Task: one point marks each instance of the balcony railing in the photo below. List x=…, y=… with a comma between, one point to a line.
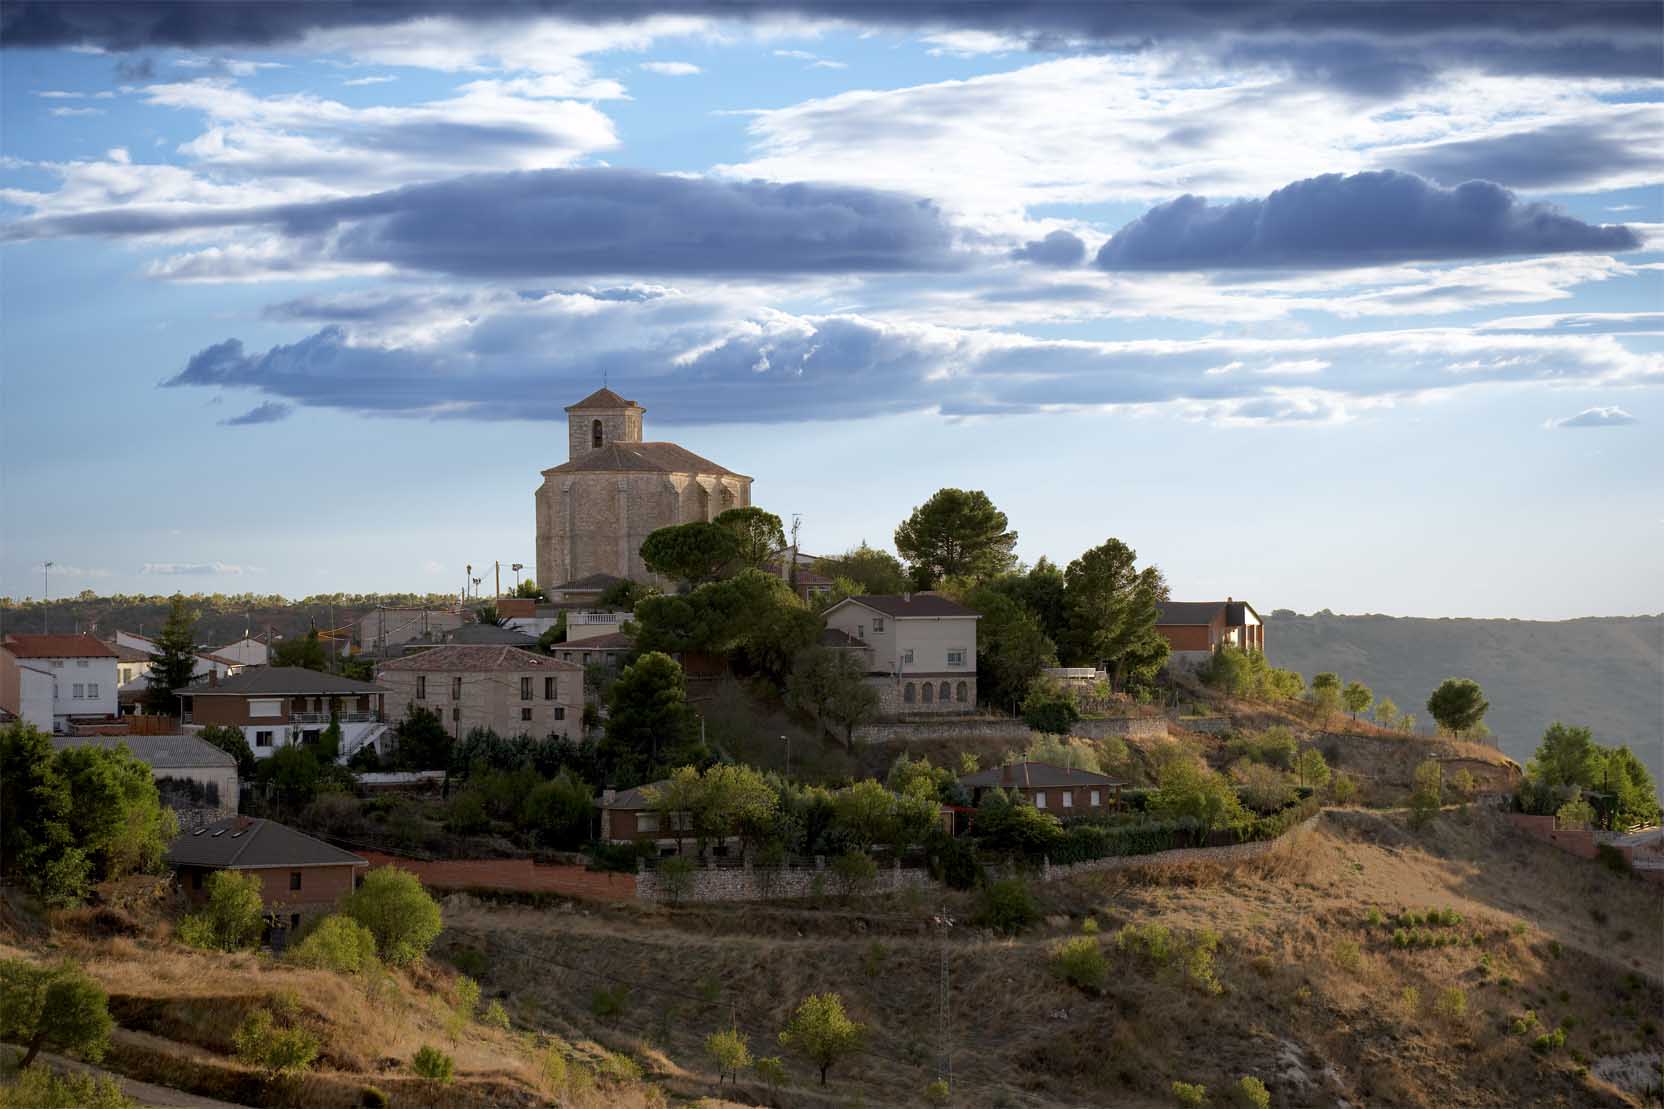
x=323, y=717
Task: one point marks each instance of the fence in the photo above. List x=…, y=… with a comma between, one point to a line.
x=745, y=882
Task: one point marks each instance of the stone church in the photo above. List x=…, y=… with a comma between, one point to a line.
x=595, y=509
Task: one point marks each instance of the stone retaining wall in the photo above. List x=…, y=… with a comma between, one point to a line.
x=756, y=884
x=1230, y=853
x=1211, y=725
x=900, y=731
x=1124, y=727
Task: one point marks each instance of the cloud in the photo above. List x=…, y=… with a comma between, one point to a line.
x=195, y=568
x=269, y=412
x=1584, y=323
x=671, y=69
x=360, y=82
x=1613, y=150
x=1609, y=416
x=63, y=113
x=1365, y=219
x=1060, y=248
x=60, y=570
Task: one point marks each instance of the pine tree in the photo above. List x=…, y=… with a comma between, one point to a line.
x=175, y=665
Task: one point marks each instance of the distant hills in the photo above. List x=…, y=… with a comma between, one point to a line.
x=1606, y=673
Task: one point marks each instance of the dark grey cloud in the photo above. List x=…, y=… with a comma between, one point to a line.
x=584, y=221
x=1060, y=248
x=1561, y=154
x=1609, y=416
x=1366, y=46
x=268, y=413
x=1366, y=219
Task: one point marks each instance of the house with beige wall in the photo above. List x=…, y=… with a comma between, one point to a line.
x=506, y=689
x=918, y=649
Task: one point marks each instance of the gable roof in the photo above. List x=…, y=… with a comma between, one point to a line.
x=246, y=843
x=475, y=657
x=267, y=681
x=603, y=398
x=160, y=752
x=651, y=458
x=633, y=798
x=58, y=646
x=1036, y=775
x=909, y=606
x=1183, y=613
x=1235, y=613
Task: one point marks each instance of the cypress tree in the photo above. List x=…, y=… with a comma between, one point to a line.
x=175, y=665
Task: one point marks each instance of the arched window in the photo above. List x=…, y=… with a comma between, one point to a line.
x=959, y=692
x=942, y=695
x=929, y=692
x=595, y=434
x=908, y=694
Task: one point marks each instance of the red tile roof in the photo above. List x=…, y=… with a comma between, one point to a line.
x=58, y=646
x=603, y=398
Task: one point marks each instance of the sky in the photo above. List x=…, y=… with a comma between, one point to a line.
x=1345, y=306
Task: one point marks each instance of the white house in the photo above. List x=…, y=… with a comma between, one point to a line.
x=274, y=706
x=83, y=673
x=918, y=649
x=25, y=692
x=134, y=653
x=246, y=651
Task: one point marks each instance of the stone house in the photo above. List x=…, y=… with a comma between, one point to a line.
x=275, y=706
x=181, y=765
x=918, y=649
x=1060, y=790
x=506, y=689
x=301, y=877
x=1196, y=629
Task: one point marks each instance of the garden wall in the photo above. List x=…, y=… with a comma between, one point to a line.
x=1230, y=853
x=749, y=883
x=1124, y=727
x=901, y=731
x=1211, y=725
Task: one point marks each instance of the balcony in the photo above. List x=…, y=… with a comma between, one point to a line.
x=323, y=717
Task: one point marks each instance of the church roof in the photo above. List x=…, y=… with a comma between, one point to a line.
x=660, y=458
x=603, y=398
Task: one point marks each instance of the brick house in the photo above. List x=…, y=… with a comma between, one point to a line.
x=627, y=816
x=275, y=706
x=918, y=649
x=1196, y=629
x=83, y=673
x=1060, y=790
x=300, y=876
x=505, y=689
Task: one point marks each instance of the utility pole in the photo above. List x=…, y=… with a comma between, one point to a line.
x=46, y=595
x=944, y=1014
x=797, y=522
x=517, y=567
x=496, y=579
x=468, y=577
x=787, y=739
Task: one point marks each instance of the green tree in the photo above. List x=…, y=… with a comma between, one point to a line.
x=1011, y=646
x=528, y=590
x=1627, y=779
x=1325, y=695
x=434, y=1065
x=831, y=685
x=821, y=1032
x=561, y=811
x=1283, y=685
x=392, y=904
x=1356, y=697
x=423, y=742
x=487, y=616
x=1043, y=591
x=232, y=918
x=1427, y=794
x=1011, y=825
x=1189, y=790
x=278, y=1051
x=874, y=571
x=771, y=1071
x=1049, y=709
x=175, y=663
x=57, y=1006
x=1113, y=607
x=649, y=724
x=691, y=553
x=1457, y=705
x=758, y=534
x=339, y=943
x=957, y=533
x=730, y=1050
x=1311, y=768
x=1386, y=713
x=118, y=818
x=306, y=652
x=622, y=595
x=293, y=773
x=232, y=742
x=36, y=839
x=864, y=811
x=1575, y=815
x=1567, y=756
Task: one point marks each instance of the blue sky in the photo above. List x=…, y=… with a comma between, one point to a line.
x=1324, y=310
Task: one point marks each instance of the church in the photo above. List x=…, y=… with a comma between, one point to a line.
x=595, y=509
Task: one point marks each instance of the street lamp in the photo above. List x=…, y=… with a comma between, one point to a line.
x=787, y=740
x=518, y=566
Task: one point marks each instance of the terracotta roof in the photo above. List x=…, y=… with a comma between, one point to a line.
x=1187, y=613
x=475, y=657
x=58, y=646
x=241, y=842
x=163, y=752
x=1036, y=775
x=603, y=398
x=267, y=681
x=651, y=458
x=905, y=605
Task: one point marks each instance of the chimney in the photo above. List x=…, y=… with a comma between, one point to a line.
x=607, y=796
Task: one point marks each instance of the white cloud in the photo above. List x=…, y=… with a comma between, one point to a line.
x=671, y=69
x=1608, y=416
x=60, y=94
x=360, y=82
x=67, y=112
x=197, y=568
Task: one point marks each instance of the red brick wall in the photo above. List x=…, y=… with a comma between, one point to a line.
x=320, y=887
x=1188, y=637
x=232, y=711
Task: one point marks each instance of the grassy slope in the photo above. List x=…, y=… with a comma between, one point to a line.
x=1602, y=673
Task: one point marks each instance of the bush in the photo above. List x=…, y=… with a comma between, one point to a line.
x=495, y=1016
x=1198, y=962
x=1373, y=918
x=1190, y=1093
x=1452, y=1003
x=338, y=943
x=1007, y=906
x=1549, y=1042
x=39, y=1088
x=1150, y=941
x=433, y=1064
x=1611, y=858
x=58, y=1007
x=372, y=1097
x=952, y=860
x=232, y=919
x=276, y=1050
x=1346, y=955
x=1264, y=788
x=401, y=916
x=1081, y=963
x=854, y=872
x=676, y=876
x=1343, y=789
x=604, y=1004
x=770, y=1070
x=1250, y=1093
x=623, y=858
x=938, y=1092
x=1427, y=795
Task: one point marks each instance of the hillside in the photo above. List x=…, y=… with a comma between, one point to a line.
x=1599, y=672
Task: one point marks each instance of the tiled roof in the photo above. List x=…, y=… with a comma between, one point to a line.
x=283, y=681
x=58, y=646
x=633, y=798
x=1184, y=613
x=1235, y=613
x=475, y=657
x=163, y=752
x=245, y=842
x=476, y=634
x=650, y=458
x=603, y=398
x=905, y=605
x=1035, y=775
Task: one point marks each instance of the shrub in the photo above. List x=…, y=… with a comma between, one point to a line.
x=401, y=916
x=233, y=917
x=1346, y=955
x=620, y=1070
x=1525, y=1023
x=1198, y=961
x=1007, y=906
x=1373, y=918
x=39, y=1088
x=553, y=1069
x=604, y=1004
x=373, y=1097
x=57, y=1006
x=1264, y=788
x=1151, y=941
x=338, y=943
x=821, y=1032
x=1427, y=795
x=467, y=998
x=1343, y=789
x=1452, y=1003
x=1612, y=858
x=495, y=1016
x=1410, y=1001
x=853, y=872
x=676, y=876
x=1190, y=1093
x=1081, y=963
x=938, y=1092
x=1250, y=1093
x=730, y=1051
x=1549, y=1042
x=433, y=1064
x=770, y=1070
x=1090, y=926
x=278, y=1051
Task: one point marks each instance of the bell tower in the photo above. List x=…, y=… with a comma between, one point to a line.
x=600, y=420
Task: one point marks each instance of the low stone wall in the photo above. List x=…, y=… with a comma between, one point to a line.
x=1211, y=725
x=901, y=731
x=758, y=884
x=1124, y=727
x=1229, y=854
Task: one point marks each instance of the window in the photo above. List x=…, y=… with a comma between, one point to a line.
x=1040, y=800
x=560, y=712
x=92, y=691
x=294, y=920
x=294, y=879
x=271, y=708
x=586, y=658
x=549, y=689
x=82, y=664
x=456, y=688
x=942, y=693
x=421, y=687
x=1068, y=798
x=929, y=692
x=525, y=689
x=908, y=694
x=262, y=739
x=878, y=625
x=956, y=656
x=907, y=657
x=80, y=691
x=647, y=821
x=595, y=434
x=57, y=664
x=959, y=692
x=456, y=713
x=1097, y=799
x=860, y=631
x=526, y=714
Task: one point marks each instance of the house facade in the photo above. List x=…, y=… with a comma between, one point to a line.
x=301, y=877
x=1060, y=790
x=918, y=649
x=506, y=689
x=193, y=775
x=83, y=674
x=628, y=816
x=275, y=706
x=248, y=651
x=1196, y=629
x=25, y=692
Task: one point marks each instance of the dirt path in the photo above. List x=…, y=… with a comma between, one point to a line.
x=516, y=875
x=142, y=1092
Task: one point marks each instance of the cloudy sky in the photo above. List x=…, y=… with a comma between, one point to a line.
x=1349, y=306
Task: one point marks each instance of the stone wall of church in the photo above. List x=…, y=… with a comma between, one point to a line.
x=595, y=523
